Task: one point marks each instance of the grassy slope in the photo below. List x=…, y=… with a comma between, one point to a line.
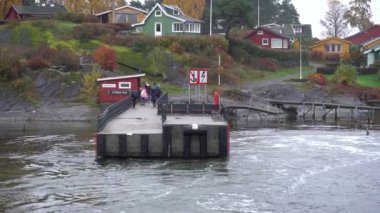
x=370, y=80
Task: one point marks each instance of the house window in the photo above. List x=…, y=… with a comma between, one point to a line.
x=276, y=43
x=124, y=85
x=193, y=27
x=298, y=29
x=158, y=13
x=260, y=32
x=265, y=42
x=333, y=48
x=177, y=27
x=108, y=85
x=175, y=12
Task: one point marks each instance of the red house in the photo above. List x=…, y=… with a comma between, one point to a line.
x=266, y=38
x=113, y=89
x=366, y=35
x=22, y=12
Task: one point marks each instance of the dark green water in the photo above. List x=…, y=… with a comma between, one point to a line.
x=52, y=168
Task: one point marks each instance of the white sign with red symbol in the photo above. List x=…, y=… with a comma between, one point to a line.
x=198, y=76
x=193, y=77
x=203, y=77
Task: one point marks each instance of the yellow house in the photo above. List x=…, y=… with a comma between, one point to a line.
x=331, y=47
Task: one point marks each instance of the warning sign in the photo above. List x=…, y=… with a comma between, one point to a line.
x=193, y=77
x=203, y=76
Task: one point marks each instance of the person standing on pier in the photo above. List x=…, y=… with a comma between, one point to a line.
x=134, y=96
x=155, y=94
x=143, y=96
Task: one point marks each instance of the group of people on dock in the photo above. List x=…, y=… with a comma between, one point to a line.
x=146, y=94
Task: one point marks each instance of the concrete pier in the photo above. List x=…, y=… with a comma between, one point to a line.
x=141, y=133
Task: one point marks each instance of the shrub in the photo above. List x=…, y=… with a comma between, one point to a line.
x=10, y=66
x=76, y=18
x=67, y=58
x=332, y=57
x=345, y=74
x=90, y=88
x=316, y=55
x=87, y=32
x=326, y=70
x=37, y=63
x=265, y=64
x=317, y=78
x=106, y=57
x=176, y=48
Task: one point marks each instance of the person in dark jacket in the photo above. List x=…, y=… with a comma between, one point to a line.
x=155, y=94
x=134, y=96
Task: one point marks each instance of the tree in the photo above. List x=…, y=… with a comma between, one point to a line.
x=359, y=14
x=136, y=3
x=287, y=13
x=149, y=4
x=192, y=8
x=268, y=11
x=5, y=5
x=106, y=57
x=334, y=21
x=233, y=13
x=88, y=6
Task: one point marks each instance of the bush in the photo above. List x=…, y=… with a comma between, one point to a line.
x=176, y=48
x=10, y=66
x=265, y=64
x=317, y=78
x=332, y=57
x=90, y=89
x=316, y=55
x=37, y=63
x=76, y=18
x=345, y=74
x=106, y=57
x=326, y=70
x=87, y=32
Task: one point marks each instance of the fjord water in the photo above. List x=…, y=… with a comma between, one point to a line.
x=52, y=168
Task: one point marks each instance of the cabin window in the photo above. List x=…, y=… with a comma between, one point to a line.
x=276, y=43
x=108, y=85
x=265, y=42
x=124, y=85
x=193, y=27
x=158, y=13
x=175, y=12
x=177, y=27
x=260, y=32
x=333, y=48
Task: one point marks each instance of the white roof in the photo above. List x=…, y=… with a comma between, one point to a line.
x=163, y=10
x=120, y=77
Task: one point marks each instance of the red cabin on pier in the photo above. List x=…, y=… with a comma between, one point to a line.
x=113, y=89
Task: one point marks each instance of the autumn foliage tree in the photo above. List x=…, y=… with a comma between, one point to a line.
x=106, y=57
x=5, y=5
x=91, y=6
x=192, y=8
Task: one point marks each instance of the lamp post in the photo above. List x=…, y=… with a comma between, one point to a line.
x=258, y=13
x=300, y=56
x=210, y=17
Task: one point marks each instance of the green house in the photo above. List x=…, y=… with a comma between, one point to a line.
x=168, y=20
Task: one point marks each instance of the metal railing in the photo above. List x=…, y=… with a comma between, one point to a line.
x=113, y=111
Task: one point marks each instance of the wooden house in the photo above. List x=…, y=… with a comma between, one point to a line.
x=113, y=89
x=267, y=38
x=168, y=20
x=331, y=47
x=22, y=12
x=124, y=14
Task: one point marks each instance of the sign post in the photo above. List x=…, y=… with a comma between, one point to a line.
x=198, y=77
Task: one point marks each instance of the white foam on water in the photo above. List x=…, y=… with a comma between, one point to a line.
x=229, y=202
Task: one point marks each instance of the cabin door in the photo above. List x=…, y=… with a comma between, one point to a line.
x=158, y=29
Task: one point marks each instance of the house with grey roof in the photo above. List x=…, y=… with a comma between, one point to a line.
x=292, y=31
x=22, y=12
x=168, y=20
